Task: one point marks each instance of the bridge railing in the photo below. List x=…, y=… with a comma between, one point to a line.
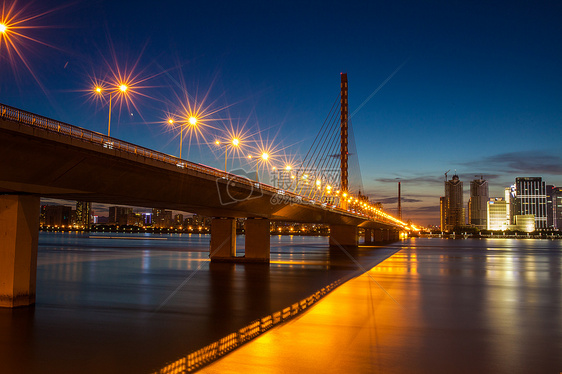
x=75, y=132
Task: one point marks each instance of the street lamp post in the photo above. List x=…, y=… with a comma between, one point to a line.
x=120, y=90
x=263, y=158
x=235, y=142
x=192, y=121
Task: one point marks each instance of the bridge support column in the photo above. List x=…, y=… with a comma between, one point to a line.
x=19, y=234
x=223, y=239
x=386, y=235
x=378, y=236
x=368, y=236
x=257, y=240
x=343, y=236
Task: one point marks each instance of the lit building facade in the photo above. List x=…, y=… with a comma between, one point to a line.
x=83, y=214
x=509, y=192
x=498, y=217
x=530, y=198
x=452, y=205
x=442, y=212
x=162, y=218
x=478, y=203
x=134, y=219
x=556, y=194
x=524, y=222
x=497, y=214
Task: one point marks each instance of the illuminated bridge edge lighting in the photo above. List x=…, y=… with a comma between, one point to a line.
x=204, y=356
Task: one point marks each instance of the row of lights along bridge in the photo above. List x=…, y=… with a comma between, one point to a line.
x=122, y=90
x=190, y=123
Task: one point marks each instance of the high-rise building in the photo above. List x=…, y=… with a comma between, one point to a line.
x=147, y=219
x=57, y=215
x=161, y=218
x=118, y=215
x=549, y=207
x=452, y=205
x=134, y=219
x=83, y=212
x=508, y=197
x=530, y=198
x=479, y=197
x=178, y=220
x=557, y=208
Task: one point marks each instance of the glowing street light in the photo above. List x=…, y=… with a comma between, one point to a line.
x=192, y=121
x=120, y=90
x=235, y=142
x=3, y=28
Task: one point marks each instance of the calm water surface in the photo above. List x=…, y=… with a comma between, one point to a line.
x=130, y=303
x=115, y=303
x=436, y=306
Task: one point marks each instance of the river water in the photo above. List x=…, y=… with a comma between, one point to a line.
x=130, y=303
x=117, y=303
x=437, y=306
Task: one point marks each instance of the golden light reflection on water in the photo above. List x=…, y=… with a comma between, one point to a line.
x=301, y=263
x=401, y=262
x=424, y=310
x=352, y=320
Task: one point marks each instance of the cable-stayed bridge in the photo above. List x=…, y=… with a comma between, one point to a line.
x=41, y=157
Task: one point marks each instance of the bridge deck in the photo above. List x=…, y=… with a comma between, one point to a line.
x=54, y=159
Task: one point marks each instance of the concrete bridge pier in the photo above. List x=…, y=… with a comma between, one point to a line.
x=223, y=239
x=343, y=236
x=257, y=246
x=369, y=236
x=386, y=235
x=378, y=236
x=19, y=235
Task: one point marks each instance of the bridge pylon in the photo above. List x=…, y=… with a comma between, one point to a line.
x=344, y=141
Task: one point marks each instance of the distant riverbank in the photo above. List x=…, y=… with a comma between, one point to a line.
x=495, y=236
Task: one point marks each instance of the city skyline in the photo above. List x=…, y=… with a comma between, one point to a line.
x=472, y=87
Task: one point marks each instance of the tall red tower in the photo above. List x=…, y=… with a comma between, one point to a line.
x=343, y=134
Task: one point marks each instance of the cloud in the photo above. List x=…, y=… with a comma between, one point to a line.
x=534, y=163
x=424, y=215
x=391, y=200
x=413, y=180
x=470, y=176
x=425, y=209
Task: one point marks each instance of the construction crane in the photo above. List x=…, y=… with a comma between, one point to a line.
x=446, y=174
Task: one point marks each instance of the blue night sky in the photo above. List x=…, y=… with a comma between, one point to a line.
x=477, y=87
